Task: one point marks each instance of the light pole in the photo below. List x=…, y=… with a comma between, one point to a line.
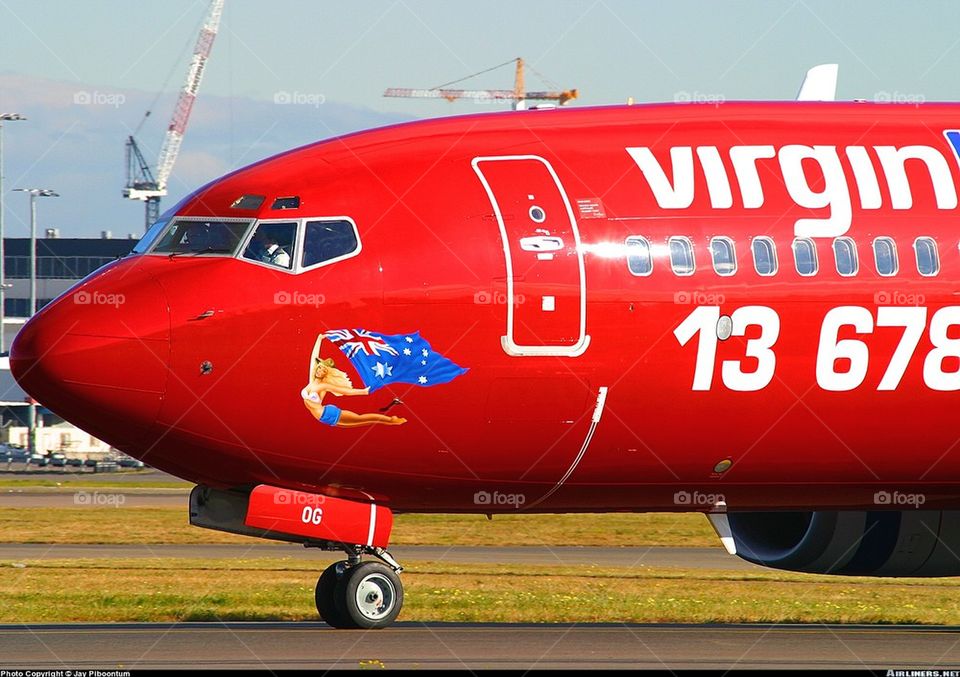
x=34, y=194
x=4, y=117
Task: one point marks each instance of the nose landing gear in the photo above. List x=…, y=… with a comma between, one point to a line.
x=352, y=594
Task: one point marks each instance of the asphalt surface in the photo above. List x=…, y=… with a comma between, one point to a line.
x=542, y=556
x=415, y=645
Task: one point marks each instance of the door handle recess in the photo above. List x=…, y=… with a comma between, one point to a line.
x=541, y=243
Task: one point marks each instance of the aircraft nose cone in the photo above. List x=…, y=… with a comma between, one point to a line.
x=98, y=355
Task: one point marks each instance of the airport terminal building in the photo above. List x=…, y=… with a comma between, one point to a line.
x=61, y=263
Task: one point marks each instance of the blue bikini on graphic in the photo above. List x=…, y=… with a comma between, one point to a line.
x=330, y=414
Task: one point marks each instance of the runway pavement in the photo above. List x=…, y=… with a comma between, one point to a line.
x=409, y=645
x=694, y=558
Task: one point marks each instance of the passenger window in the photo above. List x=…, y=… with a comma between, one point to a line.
x=272, y=243
x=724, y=256
x=885, y=255
x=805, y=256
x=764, y=256
x=681, y=256
x=928, y=261
x=326, y=241
x=639, y=260
x=845, y=253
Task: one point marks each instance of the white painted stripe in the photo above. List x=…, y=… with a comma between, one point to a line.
x=373, y=523
x=597, y=413
x=601, y=403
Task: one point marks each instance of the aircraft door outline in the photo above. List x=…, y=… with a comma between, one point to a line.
x=552, y=252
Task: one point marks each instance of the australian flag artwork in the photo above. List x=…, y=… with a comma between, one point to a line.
x=381, y=359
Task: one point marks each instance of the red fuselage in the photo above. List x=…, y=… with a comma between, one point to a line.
x=594, y=381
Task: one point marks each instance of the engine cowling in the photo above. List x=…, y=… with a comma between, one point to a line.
x=853, y=543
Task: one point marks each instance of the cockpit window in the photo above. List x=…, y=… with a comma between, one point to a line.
x=289, y=202
x=150, y=236
x=202, y=237
x=248, y=202
x=272, y=243
x=326, y=241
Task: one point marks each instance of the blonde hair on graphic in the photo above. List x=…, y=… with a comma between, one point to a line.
x=334, y=376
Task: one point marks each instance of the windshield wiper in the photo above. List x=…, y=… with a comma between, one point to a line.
x=206, y=250
x=214, y=250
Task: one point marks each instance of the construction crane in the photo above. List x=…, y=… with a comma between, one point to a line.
x=143, y=183
x=518, y=95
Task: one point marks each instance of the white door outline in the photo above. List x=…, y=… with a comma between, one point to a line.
x=509, y=345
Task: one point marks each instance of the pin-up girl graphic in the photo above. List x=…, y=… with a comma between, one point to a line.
x=326, y=378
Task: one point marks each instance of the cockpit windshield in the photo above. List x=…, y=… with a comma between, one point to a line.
x=151, y=235
x=202, y=237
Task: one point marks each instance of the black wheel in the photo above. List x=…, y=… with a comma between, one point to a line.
x=326, y=593
x=369, y=595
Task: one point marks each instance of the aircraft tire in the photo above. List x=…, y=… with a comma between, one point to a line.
x=369, y=596
x=325, y=596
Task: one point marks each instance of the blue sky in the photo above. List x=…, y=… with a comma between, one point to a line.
x=336, y=58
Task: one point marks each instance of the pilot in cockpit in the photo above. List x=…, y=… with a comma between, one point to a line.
x=265, y=247
x=273, y=253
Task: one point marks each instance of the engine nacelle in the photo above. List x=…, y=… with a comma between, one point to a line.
x=853, y=543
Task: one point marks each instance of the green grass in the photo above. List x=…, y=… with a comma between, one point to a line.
x=92, y=481
x=170, y=525
x=282, y=589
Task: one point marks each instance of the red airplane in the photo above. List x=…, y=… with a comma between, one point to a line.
x=743, y=309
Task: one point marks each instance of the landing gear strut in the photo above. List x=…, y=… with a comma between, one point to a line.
x=353, y=594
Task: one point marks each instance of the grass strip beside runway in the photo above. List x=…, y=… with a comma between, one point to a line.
x=156, y=525
x=90, y=481
x=155, y=590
